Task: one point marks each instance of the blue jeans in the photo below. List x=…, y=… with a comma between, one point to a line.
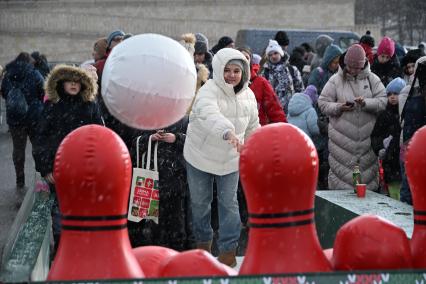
x=201, y=190
x=405, y=193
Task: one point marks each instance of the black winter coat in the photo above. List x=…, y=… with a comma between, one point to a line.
x=173, y=230
x=414, y=113
x=24, y=76
x=387, y=123
x=57, y=121
x=387, y=71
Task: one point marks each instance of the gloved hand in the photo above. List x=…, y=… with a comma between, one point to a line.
x=387, y=141
x=41, y=185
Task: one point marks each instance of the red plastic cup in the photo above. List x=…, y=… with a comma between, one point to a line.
x=360, y=190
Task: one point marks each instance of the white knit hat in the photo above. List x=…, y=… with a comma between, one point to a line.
x=274, y=46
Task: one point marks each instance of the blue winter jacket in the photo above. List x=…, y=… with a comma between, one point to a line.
x=302, y=114
x=31, y=82
x=320, y=75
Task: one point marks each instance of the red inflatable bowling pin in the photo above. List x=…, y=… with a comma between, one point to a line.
x=192, y=263
x=369, y=242
x=415, y=165
x=92, y=172
x=278, y=169
x=151, y=257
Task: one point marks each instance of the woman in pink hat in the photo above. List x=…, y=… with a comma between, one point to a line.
x=352, y=99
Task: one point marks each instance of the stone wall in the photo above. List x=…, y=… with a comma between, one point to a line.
x=66, y=30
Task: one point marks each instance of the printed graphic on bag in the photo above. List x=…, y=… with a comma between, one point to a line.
x=149, y=183
x=144, y=192
x=153, y=209
x=145, y=198
x=143, y=212
x=140, y=181
x=138, y=191
x=135, y=211
x=145, y=203
x=156, y=195
x=137, y=201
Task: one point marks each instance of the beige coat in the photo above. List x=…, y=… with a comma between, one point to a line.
x=349, y=132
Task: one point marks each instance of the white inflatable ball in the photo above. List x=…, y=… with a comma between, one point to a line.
x=149, y=81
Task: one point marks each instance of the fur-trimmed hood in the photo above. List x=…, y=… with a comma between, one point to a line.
x=61, y=73
x=202, y=75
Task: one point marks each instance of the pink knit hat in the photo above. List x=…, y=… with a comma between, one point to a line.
x=386, y=46
x=355, y=56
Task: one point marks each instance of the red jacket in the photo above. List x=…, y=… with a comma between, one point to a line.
x=100, y=64
x=268, y=105
x=368, y=52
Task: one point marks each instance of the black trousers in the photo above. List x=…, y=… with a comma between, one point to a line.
x=174, y=229
x=19, y=139
x=324, y=168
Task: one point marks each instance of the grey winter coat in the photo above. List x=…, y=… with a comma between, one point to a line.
x=349, y=132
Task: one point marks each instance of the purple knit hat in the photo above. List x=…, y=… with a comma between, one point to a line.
x=312, y=93
x=355, y=56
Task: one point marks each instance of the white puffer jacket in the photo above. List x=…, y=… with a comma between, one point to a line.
x=349, y=132
x=216, y=110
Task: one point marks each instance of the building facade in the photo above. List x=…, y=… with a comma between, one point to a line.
x=66, y=30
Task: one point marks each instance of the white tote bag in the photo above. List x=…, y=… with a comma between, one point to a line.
x=144, y=196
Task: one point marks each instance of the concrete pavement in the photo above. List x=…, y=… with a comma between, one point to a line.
x=10, y=197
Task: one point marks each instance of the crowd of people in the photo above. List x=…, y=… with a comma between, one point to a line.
x=359, y=107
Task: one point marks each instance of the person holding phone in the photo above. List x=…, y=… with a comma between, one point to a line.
x=173, y=229
x=351, y=99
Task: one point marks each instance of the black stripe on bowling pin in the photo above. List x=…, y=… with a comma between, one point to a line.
x=93, y=218
x=279, y=216
x=419, y=213
x=92, y=228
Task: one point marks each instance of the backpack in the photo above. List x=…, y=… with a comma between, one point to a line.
x=16, y=107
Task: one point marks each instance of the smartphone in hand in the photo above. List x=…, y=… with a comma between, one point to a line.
x=350, y=104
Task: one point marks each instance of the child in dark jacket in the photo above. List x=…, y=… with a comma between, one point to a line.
x=386, y=63
x=385, y=138
x=71, y=94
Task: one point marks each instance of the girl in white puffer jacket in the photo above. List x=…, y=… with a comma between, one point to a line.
x=224, y=114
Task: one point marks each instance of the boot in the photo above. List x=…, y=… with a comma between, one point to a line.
x=228, y=258
x=207, y=246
